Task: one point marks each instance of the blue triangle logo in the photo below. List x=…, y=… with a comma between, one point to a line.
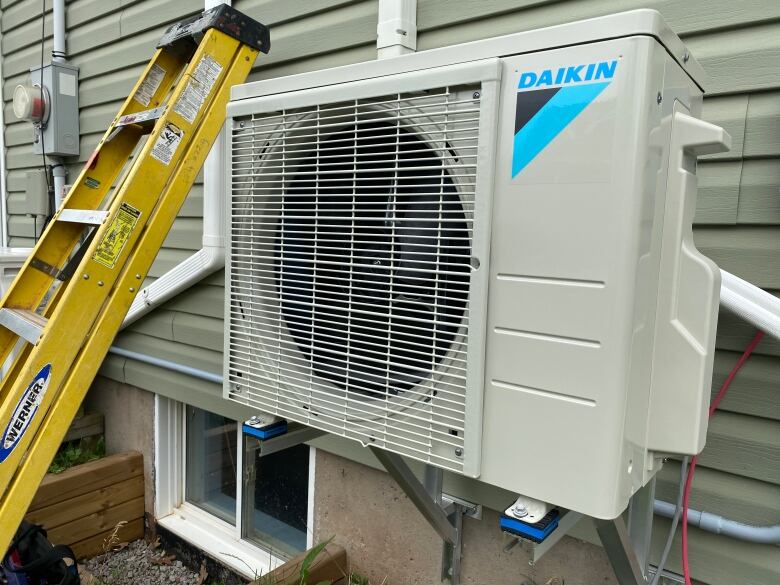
x=542, y=114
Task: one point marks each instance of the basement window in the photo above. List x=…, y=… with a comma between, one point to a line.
x=248, y=511
x=211, y=463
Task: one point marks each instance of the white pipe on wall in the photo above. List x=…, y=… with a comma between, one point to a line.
x=211, y=257
x=396, y=30
x=58, y=52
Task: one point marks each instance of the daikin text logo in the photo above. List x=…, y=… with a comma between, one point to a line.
x=548, y=100
x=603, y=70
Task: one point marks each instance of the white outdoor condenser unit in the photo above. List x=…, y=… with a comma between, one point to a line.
x=480, y=256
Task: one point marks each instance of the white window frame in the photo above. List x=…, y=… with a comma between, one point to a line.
x=218, y=538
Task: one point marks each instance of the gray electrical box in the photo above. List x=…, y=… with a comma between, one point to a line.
x=59, y=134
x=36, y=201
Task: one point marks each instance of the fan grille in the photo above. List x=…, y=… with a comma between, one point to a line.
x=350, y=261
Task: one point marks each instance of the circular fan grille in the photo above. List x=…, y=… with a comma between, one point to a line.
x=372, y=260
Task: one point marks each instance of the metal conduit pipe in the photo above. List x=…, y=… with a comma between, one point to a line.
x=719, y=525
x=166, y=364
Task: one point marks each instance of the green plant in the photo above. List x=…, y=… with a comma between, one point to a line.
x=309, y=559
x=76, y=453
x=358, y=579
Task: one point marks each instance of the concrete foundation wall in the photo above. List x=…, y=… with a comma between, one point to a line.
x=388, y=541
x=129, y=424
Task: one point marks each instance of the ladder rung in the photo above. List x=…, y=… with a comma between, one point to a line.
x=141, y=118
x=88, y=216
x=26, y=324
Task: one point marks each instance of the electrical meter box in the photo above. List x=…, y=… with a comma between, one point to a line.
x=481, y=256
x=58, y=134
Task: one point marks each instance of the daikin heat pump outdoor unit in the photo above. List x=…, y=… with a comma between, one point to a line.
x=480, y=256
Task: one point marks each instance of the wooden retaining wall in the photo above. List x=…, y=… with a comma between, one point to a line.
x=81, y=506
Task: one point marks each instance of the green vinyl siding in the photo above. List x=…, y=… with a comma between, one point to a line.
x=737, y=217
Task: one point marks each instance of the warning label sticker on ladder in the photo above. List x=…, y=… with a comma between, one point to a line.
x=149, y=85
x=116, y=236
x=198, y=88
x=167, y=143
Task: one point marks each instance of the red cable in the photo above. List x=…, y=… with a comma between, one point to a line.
x=692, y=467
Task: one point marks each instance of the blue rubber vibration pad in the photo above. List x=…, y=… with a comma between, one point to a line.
x=534, y=532
x=268, y=431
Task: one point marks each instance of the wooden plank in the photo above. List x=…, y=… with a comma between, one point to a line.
x=98, y=522
x=330, y=565
x=94, y=545
x=89, y=503
x=88, y=425
x=87, y=477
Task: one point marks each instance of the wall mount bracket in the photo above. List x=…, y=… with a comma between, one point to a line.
x=444, y=514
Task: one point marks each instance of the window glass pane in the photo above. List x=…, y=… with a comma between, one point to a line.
x=211, y=463
x=276, y=506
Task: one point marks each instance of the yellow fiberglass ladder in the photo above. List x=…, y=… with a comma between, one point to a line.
x=72, y=294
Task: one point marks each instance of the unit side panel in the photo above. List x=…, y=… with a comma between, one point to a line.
x=572, y=219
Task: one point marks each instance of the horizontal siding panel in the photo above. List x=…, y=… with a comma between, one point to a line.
x=739, y=60
x=749, y=252
x=186, y=234
x=718, y=195
x=167, y=259
x=201, y=299
x=124, y=53
x=336, y=58
x=352, y=25
x=205, y=332
x=684, y=17
x=759, y=193
x=762, y=132
x=734, y=334
x=271, y=12
x=193, y=207
x=21, y=13
x=718, y=560
x=112, y=87
x=739, y=498
x=729, y=112
x=157, y=324
x=755, y=390
x=150, y=14
x=80, y=12
x=743, y=445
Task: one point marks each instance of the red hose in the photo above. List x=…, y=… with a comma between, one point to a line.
x=692, y=467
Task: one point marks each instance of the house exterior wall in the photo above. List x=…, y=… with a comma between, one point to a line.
x=737, y=219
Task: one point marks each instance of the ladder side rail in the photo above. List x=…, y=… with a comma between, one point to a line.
x=85, y=297
x=55, y=425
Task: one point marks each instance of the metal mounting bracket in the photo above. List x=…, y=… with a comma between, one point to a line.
x=445, y=515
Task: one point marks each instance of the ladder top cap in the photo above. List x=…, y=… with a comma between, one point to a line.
x=224, y=18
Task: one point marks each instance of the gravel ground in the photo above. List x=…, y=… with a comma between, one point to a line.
x=140, y=564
